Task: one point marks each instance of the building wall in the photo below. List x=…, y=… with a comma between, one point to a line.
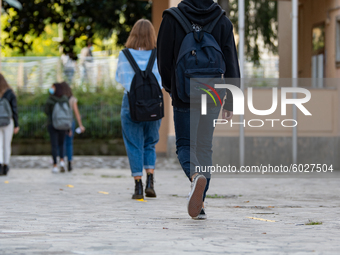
x=311, y=13
x=285, y=39
x=333, y=12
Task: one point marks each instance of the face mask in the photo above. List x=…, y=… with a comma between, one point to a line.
x=51, y=90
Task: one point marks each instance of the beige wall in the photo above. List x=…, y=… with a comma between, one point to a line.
x=331, y=69
x=285, y=39
x=311, y=13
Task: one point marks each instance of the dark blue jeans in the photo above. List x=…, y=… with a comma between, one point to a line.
x=57, y=138
x=194, y=134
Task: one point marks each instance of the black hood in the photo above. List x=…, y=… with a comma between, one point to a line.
x=200, y=12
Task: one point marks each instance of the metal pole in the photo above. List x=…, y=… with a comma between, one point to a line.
x=241, y=59
x=295, y=7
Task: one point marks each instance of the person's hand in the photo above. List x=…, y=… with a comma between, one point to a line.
x=70, y=133
x=227, y=115
x=16, y=130
x=82, y=128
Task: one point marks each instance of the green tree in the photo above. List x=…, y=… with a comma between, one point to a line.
x=260, y=23
x=79, y=18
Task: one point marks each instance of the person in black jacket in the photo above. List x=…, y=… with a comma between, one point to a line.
x=57, y=136
x=170, y=37
x=6, y=132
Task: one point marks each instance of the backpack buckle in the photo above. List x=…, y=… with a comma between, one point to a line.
x=144, y=73
x=198, y=36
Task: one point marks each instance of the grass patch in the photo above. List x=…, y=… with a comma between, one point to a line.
x=216, y=196
x=88, y=174
x=111, y=176
x=313, y=223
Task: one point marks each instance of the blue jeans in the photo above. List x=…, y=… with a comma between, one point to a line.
x=69, y=143
x=140, y=138
x=194, y=134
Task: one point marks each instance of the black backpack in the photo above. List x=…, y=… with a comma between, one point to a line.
x=145, y=95
x=199, y=57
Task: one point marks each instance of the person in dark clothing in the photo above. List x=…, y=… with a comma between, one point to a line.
x=6, y=132
x=57, y=136
x=170, y=37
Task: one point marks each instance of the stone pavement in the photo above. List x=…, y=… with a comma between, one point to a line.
x=90, y=211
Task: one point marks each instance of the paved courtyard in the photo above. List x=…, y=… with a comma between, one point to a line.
x=90, y=211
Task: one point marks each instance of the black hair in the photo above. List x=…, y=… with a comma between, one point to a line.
x=59, y=91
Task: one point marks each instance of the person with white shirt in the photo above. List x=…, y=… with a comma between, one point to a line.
x=9, y=123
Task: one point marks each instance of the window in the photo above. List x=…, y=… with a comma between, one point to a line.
x=337, y=49
x=318, y=48
x=318, y=39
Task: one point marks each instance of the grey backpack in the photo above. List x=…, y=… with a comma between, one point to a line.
x=5, y=112
x=62, y=117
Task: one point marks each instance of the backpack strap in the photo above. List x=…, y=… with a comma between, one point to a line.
x=180, y=17
x=151, y=61
x=209, y=27
x=131, y=60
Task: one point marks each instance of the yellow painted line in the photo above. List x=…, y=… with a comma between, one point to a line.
x=6, y=182
x=253, y=218
x=70, y=186
x=141, y=200
x=103, y=192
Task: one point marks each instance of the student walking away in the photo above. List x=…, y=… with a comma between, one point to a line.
x=8, y=123
x=59, y=115
x=86, y=58
x=196, y=38
x=73, y=102
x=142, y=106
x=69, y=65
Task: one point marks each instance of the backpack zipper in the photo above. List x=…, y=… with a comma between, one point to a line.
x=193, y=52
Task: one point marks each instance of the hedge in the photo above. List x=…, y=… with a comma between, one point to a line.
x=100, y=110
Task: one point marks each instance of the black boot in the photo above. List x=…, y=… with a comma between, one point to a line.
x=5, y=169
x=1, y=170
x=149, y=189
x=69, y=168
x=138, y=190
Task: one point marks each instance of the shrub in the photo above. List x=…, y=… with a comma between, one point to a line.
x=100, y=111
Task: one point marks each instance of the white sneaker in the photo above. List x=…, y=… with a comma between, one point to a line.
x=62, y=166
x=55, y=170
x=196, y=195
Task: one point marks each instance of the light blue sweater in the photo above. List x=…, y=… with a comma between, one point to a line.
x=125, y=72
